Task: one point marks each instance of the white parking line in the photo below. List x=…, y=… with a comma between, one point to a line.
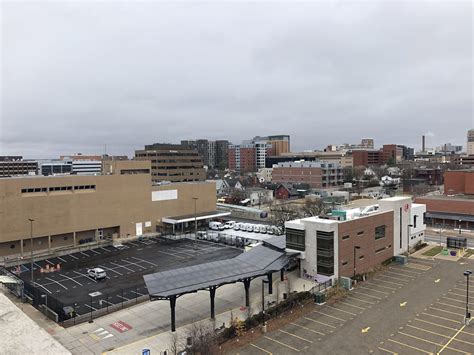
x=122, y=266
x=106, y=250
x=38, y=266
x=95, y=309
x=83, y=275
x=371, y=289
x=72, y=256
x=94, y=251
x=134, y=244
x=125, y=298
x=49, y=262
x=377, y=285
x=110, y=269
x=63, y=260
x=70, y=278
x=365, y=294
x=84, y=254
x=37, y=284
x=176, y=256
x=59, y=283
x=341, y=310
x=132, y=263
x=398, y=274
x=144, y=261
x=328, y=315
x=138, y=293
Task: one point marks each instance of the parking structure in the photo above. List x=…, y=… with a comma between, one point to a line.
x=378, y=316
x=125, y=267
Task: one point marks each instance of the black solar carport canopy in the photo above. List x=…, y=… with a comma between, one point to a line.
x=259, y=261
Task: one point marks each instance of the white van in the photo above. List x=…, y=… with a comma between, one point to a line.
x=237, y=226
x=216, y=226
x=263, y=229
x=256, y=228
x=229, y=224
x=248, y=227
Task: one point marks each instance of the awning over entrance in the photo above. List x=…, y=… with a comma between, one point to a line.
x=191, y=217
x=450, y=216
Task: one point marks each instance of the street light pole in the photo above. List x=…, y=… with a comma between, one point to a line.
x=264, y=327
x=460, y=226
x=408, y=239
x=468, y=315
x=195, y=223
x=31, y=252
x=356, y=247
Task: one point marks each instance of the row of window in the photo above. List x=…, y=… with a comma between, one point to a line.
x=379, y=233
x=362, y=257
x=57, y=188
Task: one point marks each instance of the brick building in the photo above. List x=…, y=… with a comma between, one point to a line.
x=459, y=182
x=314, y=173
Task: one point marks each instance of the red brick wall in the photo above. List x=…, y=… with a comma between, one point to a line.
x=448, y=205
x=311, y=176
x=366, y=241
x=281, y=193
x=231, y=159
x=247, y=159
x=459, y=182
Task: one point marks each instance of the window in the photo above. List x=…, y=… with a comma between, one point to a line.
x=414, y=221
x=295, y=239
x=360, y=233
x=345, y=237
x=361, y=257
x=65, y=238
x=12, y=246
x=379, y=232
x=380, y=250
x=344, y=263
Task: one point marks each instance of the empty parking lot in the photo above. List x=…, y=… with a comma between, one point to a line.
x=404, y=309
x=125, y=269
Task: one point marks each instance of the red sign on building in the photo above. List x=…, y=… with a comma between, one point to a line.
x=121, y=326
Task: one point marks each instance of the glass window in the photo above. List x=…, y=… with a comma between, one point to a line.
x=379, y=232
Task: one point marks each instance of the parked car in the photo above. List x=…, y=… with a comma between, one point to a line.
x=263, y=228
x=248, y=227
x=229, y=224
x=256, y=228
x=237, y=226
x=121, y=246
x=97, y=273
x=216, y=226
x=270, y=230
x=201, y=235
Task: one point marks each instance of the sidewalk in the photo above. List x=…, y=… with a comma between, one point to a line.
x=450, y=232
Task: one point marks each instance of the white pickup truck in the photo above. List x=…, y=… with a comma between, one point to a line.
x=97, y=273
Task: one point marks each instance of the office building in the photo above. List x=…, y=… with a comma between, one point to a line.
x=470, y=142
x=222, y=154
x=314, y=173
x=47, y=167
x=15, y=166
x=173, y=162
x=372, y=234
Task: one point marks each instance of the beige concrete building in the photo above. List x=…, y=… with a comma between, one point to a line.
x=72, y=210
x=173, y=162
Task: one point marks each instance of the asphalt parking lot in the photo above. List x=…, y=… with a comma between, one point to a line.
x=70, y=285
x=405, y=309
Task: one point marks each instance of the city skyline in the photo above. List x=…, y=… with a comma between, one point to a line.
x=121, y=75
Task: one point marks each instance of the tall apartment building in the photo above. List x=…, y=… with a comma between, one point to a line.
x=173, y=162
x=214, y=154
x=242, y=157
x=470, y=142
x=15, y=166
x=315, y=173
x=256, y=151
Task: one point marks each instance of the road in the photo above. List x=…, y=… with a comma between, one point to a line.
x=435, y=238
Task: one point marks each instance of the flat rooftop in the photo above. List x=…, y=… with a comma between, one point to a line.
x=451, y=198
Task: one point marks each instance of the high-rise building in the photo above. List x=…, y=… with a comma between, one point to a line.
x=222, y=152
x=173, y=162
x=470, y=142
x=367, y=143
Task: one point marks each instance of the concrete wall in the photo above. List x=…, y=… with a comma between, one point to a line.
x=417, y=232
x=401, y=207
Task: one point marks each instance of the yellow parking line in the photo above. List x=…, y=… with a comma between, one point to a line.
x=453, y=299
x=436, y=324
x=389, y=282
x=296, y=336
x=450, y=340
x=371, y=289
x=281, y=343
x=341, y=310
x=395, y=278
x=410, y=346
x=359, y=300
x=402, y=269
x=450, y=305
x=449, y=312
x=364, y=294
x=447, y=319
x=316, y=321
x=308, y=329
x=327, y=315
x=352, y=305
x=377, y=285
x=387, y=351
x=438, y=334
x=259, y=348
x=400, y=274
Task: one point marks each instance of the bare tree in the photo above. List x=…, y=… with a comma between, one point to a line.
x=203, y=339
x=176, y=344
x=313, y=206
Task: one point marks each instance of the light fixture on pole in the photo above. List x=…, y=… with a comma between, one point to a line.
x=356, y=247
x=31, y=252
x=467, y=317
x=195, y=223
x=408, y=239
x=264, y=325
x=460, y=226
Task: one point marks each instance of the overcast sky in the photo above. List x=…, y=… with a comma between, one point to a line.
x=78, y=75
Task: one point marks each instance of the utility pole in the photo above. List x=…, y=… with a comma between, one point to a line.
x=468, y=315
x=195, y=223
x=31, y=245
x=408, y=239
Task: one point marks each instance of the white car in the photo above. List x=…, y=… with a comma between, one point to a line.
x=121, y=246
x=249, y=227
x=229, y=224
x=97, y=273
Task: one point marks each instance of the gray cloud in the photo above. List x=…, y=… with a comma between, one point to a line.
x=76, y=76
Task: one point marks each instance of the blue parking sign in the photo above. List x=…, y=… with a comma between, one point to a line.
x=146, y=352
